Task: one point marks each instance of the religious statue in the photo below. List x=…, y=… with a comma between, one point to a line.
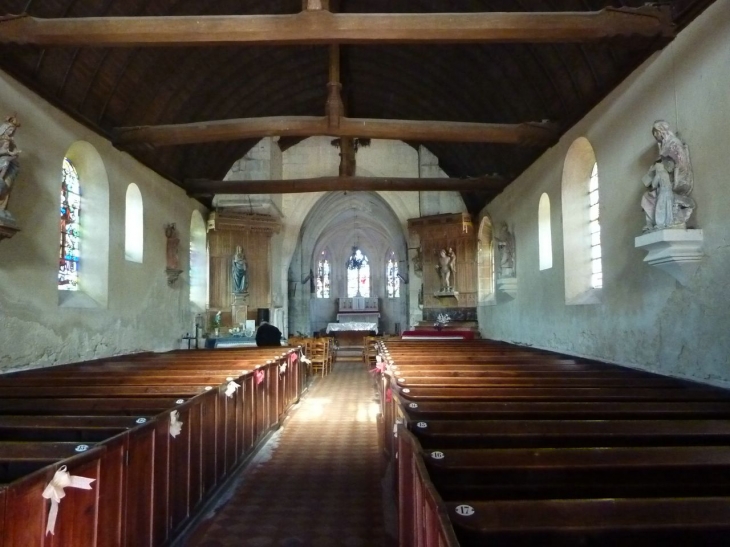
x=506, y=245
x=9, y=166
x=173, y=244
x=446, y=267
x=418, y=262
x=667, y=203
x=239, y=270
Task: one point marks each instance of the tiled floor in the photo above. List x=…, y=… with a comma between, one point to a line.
x=320, y=482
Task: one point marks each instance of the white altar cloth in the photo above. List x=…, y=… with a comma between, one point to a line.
x=341, y=327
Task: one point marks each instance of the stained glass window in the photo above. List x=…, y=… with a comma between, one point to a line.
x=323, y=277
x=68, y=270
x=358, y=275
x=392, y=279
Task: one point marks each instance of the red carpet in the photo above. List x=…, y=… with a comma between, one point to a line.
x=318, y=483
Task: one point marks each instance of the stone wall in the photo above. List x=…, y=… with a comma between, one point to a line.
x=645, y=318
x=138, y=311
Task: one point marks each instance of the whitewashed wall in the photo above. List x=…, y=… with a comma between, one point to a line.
x=141, y=312
x=646, y=318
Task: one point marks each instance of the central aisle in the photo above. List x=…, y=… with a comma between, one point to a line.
x=319, y=482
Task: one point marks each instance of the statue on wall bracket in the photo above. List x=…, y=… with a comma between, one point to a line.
x=667, y=205
x=172, y=270
x=9, y=169
x=506, y=246
x=670, y=180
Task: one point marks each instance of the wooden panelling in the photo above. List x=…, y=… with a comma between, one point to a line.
x=253, y=235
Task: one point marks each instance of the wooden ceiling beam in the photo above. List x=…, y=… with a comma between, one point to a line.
x=523, y=134
x=202, y=188
x=317, y=25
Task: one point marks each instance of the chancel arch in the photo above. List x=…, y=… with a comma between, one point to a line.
x=92, y=288
x=581, y=225
x=338, y=222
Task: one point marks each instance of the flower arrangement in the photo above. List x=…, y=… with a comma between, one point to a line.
x=442, y=320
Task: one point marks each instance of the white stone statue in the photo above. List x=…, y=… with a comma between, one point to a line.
x=506, y=245
x=446, y=267
x=8, y=163
x=667, y=203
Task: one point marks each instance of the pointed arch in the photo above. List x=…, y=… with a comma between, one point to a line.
x=358, y=274
x=392, y=279
x=323, y=280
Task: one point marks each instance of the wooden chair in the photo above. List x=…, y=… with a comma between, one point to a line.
x=318, y=356
x=331, y=353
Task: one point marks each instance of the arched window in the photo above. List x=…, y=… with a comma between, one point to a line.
x=83, y=270
x=545, y=238
x=133, y=225
x=198, y=264
x=358, y=274
x=322, y=282
x=594, y=227
x=485, y=261
x=581, y=225
x=391, y=276
x=68, y=270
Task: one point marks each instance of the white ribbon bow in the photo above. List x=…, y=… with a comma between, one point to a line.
x=306, y=360
x=54, y=492
x=282, y=368
x=175, y=424
x=232, y=388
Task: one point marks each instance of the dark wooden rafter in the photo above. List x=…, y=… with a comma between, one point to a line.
x=320, y=26
x=204, y=188
x=525, y=134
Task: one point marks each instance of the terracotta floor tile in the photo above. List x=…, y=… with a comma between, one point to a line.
x=321, y=486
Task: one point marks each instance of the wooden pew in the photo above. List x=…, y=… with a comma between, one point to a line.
x=161, y=481
x=570, y=433
x=666, y=522
x=512, y=439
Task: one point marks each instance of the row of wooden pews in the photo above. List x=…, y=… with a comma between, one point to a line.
x=505, y=446
x=159, y=434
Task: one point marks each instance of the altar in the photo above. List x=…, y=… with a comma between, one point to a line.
x=351, y=334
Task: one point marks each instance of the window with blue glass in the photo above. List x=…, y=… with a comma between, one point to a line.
x=323, y=277
x=358, y=274
x=68, y=270
x=391, y=276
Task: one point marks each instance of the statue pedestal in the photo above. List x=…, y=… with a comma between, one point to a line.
x=8, y=227
x=508, y=285
x=239, y=308
x=172, y=275
x=447, y=294
x=676, y=251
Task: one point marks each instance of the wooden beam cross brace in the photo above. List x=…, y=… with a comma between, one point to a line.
x=317, y=25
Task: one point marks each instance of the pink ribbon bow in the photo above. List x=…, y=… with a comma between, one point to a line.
x=260, y=375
